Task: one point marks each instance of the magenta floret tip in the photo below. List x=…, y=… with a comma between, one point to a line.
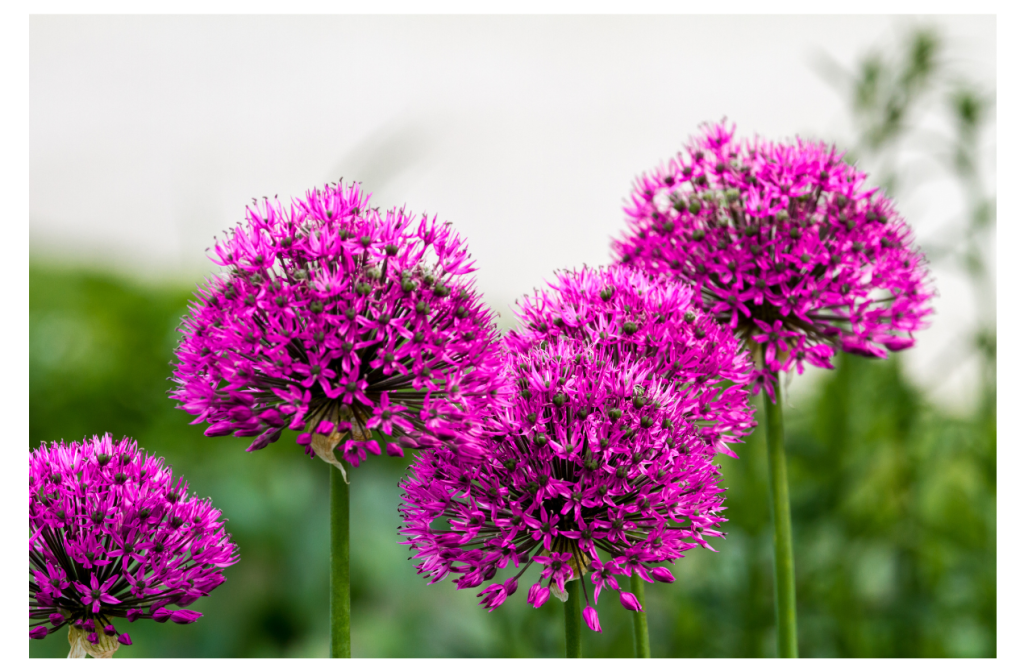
x=629, y=601
x=328, y=307
x=662, y=574
x=112, y=534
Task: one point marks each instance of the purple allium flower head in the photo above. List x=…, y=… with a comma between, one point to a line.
x=593, y=456
x=340, y=321
x=786, y=243
x=112, y=534
x=628, y=315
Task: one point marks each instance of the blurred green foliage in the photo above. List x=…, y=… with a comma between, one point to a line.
x=893, y=508
x=918, y=118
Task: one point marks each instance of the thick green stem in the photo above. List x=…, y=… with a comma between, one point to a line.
x=778, y=490
x=573, y=623
x=641, y=639
x=341, y=642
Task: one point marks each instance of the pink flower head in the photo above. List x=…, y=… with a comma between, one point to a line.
x=629, y=315
x=781, y=233
x=327, y=308
x=108, y=505
x=591, y=425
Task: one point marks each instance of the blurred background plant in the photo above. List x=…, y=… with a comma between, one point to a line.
x=894, y=502
x=918, y=120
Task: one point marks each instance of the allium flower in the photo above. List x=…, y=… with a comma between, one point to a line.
x=339, y=321
x=592, y=467
x=630, y=316
x=112, y=534
x=786, y=243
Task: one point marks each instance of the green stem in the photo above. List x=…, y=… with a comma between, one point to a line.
x=573, y=623
x=641, y=639
x=778, y=490
x=341, y=642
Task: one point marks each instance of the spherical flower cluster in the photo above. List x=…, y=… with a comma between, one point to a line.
x=630, y=316
x=112, y=534
x=786, y=243
x=592, y=457
x=348, y=324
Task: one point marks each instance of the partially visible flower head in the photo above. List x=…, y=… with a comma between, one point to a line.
x=786, y=243
x=113, y=535
x=342, y=322
x=630, y=316
x=592, y=468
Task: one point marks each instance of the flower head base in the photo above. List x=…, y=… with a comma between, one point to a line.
x=592, y=456
x=112, y=534
x=786, y=243
x=340, y=321
x=632, y=317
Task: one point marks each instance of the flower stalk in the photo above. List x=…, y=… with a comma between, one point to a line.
x=641, y=639
x=778, y=489
x=573, y=625
x=340, y=609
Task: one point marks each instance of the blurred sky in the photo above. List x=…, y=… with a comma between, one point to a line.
x=149, y=135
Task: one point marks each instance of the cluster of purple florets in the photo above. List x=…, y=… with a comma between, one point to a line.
x=606, y=447
x=345, y=323
x=113, y=535
x=786, y=244
x=632, y=316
